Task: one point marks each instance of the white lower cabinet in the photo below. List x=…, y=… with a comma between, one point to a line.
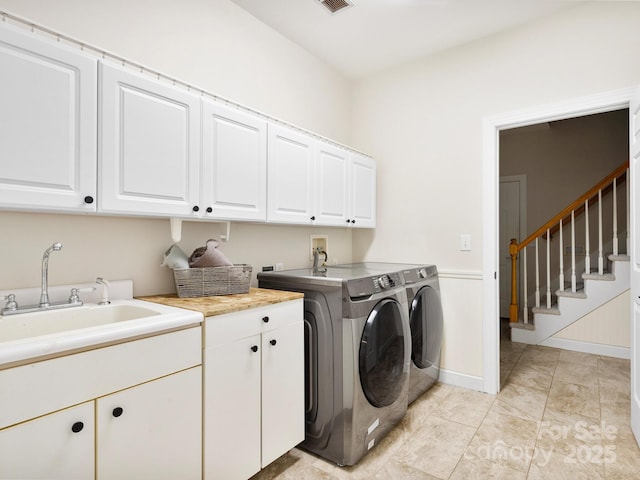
x=56, y=446
x=253, y=388
x=152, y=430
x=132, y=410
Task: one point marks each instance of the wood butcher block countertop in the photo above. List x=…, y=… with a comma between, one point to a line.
x=221, y=304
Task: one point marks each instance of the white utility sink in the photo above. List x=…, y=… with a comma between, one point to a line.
x=35, y=324
x=28, y=337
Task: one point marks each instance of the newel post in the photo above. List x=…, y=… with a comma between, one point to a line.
x=513, y=307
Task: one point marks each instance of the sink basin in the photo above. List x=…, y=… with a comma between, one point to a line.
x=55, y=321
x=28, y=337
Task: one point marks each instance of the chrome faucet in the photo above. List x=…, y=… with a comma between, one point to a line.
x=44, y=293
x=316, y=258
x=104, y=299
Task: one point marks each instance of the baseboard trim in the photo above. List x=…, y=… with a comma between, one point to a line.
x=461, y=380
x=588, y=347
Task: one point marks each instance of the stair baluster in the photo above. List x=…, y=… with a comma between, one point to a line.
x=615, y=219
x=525, y=310
x=573, y=251
x=561, y=262
x=600, y=257
x=587, y=246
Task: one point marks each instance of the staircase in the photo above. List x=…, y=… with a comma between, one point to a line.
x=570, y=287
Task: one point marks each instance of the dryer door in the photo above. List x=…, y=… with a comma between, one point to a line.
x=425, y=317
x=382, y=354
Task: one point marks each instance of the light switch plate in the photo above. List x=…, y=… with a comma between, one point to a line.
x=465, y=242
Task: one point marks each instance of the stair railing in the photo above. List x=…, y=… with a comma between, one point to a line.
x=578, y=207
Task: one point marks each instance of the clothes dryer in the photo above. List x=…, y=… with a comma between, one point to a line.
x=425, y=317
x=357, y=356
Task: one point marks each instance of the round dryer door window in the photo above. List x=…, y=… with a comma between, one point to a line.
x=425, y=319
x=382, y=354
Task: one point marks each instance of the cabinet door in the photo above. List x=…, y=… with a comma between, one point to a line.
x=232, y=409
x=149, y=145
x=290, y=190
x=234, y=159
x=282, y=390
x=48, y=116
x=56, y=446
x=363, y=192
x=331, y=185
x=153, y=430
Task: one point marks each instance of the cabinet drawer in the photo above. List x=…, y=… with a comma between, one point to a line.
x=245, y=323
x=38, y=388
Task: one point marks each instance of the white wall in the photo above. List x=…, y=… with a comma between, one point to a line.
x=215, y=46
x=423, y=123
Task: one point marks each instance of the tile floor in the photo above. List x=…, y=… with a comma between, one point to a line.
x=560, y=414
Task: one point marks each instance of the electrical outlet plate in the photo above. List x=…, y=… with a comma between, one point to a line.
x=316, y=241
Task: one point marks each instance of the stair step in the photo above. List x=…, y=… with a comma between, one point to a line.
x=549, y=311
x=568, y=293
x=621, y=257
x=607, y=277
x=524, y=326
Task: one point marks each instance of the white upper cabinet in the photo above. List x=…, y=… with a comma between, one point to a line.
x=363, y=191
x=48, y=124
x=291, y=176
x=234, y=156
x=149, y=145
x=315, y=182
x=332, y=176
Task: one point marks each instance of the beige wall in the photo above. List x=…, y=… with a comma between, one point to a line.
x=423, y=123
x=216, y=46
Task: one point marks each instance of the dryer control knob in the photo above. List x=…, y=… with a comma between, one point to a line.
x=422, y=273
x=384, y=282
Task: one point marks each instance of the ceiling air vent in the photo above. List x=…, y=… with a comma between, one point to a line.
x=336, y=5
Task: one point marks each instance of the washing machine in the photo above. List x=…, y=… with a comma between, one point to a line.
x=425, y=317
x=357, y=356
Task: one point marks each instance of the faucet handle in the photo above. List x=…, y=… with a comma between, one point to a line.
x=74, y=297
x=11, y=304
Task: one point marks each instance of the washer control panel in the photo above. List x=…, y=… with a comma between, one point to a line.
x=369, y=285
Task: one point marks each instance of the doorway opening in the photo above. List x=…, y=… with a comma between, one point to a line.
x=492, y=127
x=558, y=160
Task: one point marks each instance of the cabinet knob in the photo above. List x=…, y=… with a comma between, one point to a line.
x=77, y=427
x=353, y=221
x=117, y=411
x=273, y=342
x=254, y=349
x=348, y=221
x=88, y=199
x=209, y=209
x=196, y=208
x=313, y=218
x=265, y=319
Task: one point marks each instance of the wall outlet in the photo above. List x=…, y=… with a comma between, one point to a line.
x=465, y=242
x=318, y=241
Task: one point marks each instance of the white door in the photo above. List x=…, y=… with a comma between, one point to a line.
x=363, y=191
x=634, y=166
x=149, y=145
x=58, y=446
x=234, y=163
x=511, y=209
x=290, y=191
x=153, y=430
x=47, y=125
x=331, y=185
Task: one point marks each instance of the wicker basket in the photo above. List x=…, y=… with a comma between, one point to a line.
x=209, y=281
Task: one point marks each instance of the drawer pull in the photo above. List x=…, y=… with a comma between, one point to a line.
x=254, y=349
x=265, y=319
x=117, y=411
x=77, y=427
x=273, y=342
